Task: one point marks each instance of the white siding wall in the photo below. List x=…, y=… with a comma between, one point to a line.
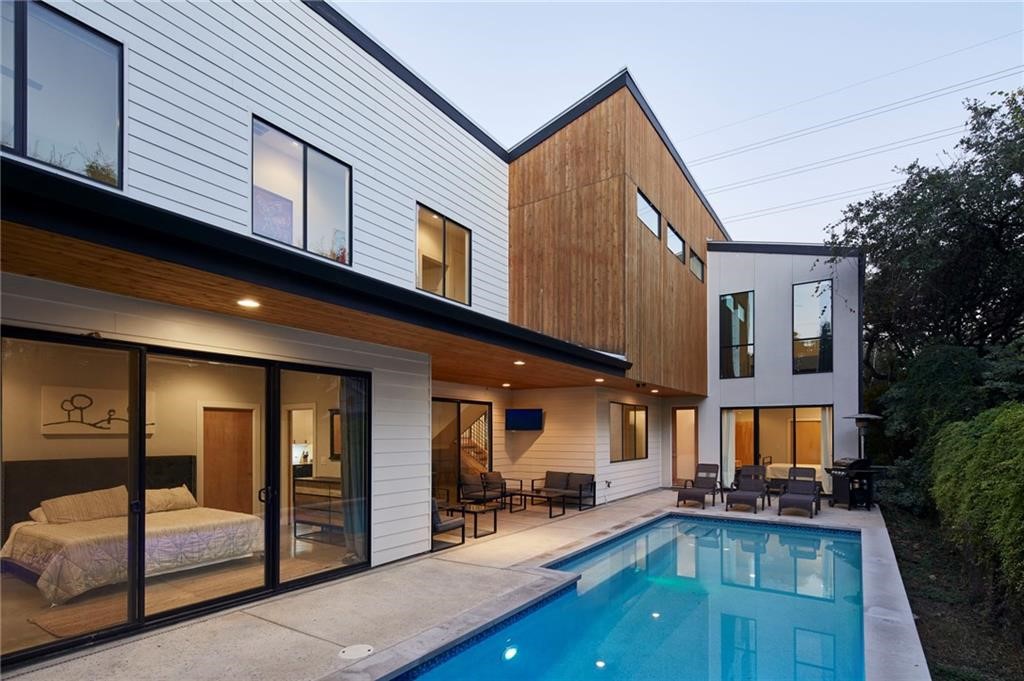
x=771, y=277
x=628, y=477
x=197, y=72
x=567, y=441
x=400, y=474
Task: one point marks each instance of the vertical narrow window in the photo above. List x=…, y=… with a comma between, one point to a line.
x=627, y=429
x=61, y=92
x=7, y=60
x=443, y=252
x=300, y=196
x=676, y=244
x=812, y=327
x=648, y=214
x=696, y=265
x=736, y=331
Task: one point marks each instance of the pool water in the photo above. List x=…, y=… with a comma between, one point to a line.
x=687, y=598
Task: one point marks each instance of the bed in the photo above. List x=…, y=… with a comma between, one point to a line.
x=780, y=471
x=71, y=558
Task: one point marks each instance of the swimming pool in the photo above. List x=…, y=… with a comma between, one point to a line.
x=686, y=598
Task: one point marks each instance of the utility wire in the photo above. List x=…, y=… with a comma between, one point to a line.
x=867, y=113
x=852, y=85
x=807, y=203
x=837, y=160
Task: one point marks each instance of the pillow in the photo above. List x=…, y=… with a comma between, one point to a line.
x=37, y=515
x=169, y=499
x=101, y=503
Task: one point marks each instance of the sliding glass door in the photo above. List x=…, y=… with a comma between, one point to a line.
x=324, y=472
x=142, y=482
x=777, y=438
x=460, y=443
x=68, y=441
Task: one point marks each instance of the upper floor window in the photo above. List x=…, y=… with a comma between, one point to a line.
x=648, y=214
x=736, y=333
x=61, y=92
x=676, y=244
x=300, y=195
x=442, y=255
x=627, y=431
x=812, y=327
x=696, y=265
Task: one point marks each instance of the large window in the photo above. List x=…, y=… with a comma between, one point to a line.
x=812, y=327
x=696, y=265
x=648, y=214
x=736, y=331
x=676, y=244
x=777, y=437
x=61, y=92
x=300, y=196
x=442, y=255
x=627, y=432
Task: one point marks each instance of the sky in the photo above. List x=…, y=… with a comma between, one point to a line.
x=726, y=75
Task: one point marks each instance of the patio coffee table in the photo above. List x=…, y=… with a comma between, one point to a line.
x=535, y=494
x=475, y=510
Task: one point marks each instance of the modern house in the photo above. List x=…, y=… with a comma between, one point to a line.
x=265, y=292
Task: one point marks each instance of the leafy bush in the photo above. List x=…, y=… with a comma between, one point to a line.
x=979, y=492
x=907, y=484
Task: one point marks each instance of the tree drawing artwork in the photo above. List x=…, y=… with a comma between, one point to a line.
x=74, y=408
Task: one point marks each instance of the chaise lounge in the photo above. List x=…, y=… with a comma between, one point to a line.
x=574, y=487
x=801, y=494
x=705, y=482
x=750, y=487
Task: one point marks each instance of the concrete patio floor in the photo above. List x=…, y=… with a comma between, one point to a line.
x=408, y=608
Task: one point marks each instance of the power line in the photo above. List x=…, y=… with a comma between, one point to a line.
x=807, y=203
x=852, y=85
x=837, y=160
x=867, y=113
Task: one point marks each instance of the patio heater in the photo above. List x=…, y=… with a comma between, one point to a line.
x=863, y=421
x=853, y=480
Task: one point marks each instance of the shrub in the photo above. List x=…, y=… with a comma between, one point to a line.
x=907, y=484
x=979, y=492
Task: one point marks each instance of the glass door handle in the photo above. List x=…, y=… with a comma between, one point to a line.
x=263, y=494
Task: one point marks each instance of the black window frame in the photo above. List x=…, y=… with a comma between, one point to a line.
x=20, y=147
x=647, y=432
x=444, y=256
x=757, y=427
x=640, y=195
x=794, y=340
x=722, y=347
x=305, y=193
x=681, y=256
x=703, y=266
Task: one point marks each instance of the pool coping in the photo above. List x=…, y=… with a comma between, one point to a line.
x=892, y=647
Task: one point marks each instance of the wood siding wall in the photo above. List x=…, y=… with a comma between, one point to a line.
x=195, y=74
x=583, y=267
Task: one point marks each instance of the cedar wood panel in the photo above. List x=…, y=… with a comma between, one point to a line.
x=582, y=267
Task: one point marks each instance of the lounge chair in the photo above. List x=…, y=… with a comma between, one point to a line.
x=749, y=488
x=804, y=473
x=473, y=489
x=705, y=482
x=494, y=480
x=438, y=526
x=575, y=487
x=800, y=493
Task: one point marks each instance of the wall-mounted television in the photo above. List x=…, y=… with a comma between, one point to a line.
x=524, y=419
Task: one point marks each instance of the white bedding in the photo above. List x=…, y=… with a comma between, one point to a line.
x=72, y=558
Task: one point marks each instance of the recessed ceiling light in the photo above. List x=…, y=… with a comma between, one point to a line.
x=519, y=362
x=436, y=217
x=654, y=390
x=506, y=385
x=249, y=303
x=598, y=380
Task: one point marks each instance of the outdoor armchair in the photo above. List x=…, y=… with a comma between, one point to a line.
x=439, y=526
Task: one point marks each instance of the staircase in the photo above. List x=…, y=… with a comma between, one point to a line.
x=474, y=446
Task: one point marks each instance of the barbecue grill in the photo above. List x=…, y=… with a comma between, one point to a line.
x=853, y=483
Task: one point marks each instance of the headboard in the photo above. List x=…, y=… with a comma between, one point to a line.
x=26, y=483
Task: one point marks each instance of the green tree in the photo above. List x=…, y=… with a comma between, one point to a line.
x=945, y=249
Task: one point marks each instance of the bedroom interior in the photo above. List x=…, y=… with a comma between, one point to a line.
x=67, y=466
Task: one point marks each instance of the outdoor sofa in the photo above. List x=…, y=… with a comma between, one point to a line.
x=575, y=487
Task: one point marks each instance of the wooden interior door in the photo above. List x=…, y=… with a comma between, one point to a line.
x=227, y=459
x=684, y=444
